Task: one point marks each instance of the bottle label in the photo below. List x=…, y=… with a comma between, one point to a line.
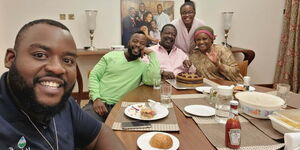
x=235, y=136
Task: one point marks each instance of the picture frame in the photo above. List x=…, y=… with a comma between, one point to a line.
x=159, y=12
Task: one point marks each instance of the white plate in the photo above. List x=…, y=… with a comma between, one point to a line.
x=143, y=141
x=133, y=111
x=251, y=88
x=200, y=110
x=203, y=89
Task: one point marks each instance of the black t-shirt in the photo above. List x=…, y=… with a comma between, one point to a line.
x=74, y=127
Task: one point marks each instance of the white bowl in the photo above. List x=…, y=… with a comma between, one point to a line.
x=259, y=105
x=117, y=47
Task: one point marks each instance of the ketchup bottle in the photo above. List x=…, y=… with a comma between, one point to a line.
x=233, y=127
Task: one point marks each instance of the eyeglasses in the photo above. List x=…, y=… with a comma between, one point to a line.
x=187, y=13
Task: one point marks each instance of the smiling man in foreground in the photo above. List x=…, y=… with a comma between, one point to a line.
x=36, y=110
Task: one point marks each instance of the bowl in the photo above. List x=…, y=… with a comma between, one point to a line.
x=286, y=121
x=259, y=105
x=117, y=47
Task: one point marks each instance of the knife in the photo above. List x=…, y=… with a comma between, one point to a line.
x=211, y=83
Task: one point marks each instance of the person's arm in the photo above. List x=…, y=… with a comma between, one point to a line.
x=95, y=78
x=149, y=37
x=227, y=66
x=94, y=86
x=152, y=68
x=106, y=140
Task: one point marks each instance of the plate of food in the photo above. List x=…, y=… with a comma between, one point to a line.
x=141, y=112
x=157, y=141
x=200, y=110
x=240, y=87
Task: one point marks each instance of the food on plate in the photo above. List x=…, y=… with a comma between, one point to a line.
x=289, y=122
x=239, y=88
x=161, y=141
x=290, y=117
x=147, y=113
x=189, y=78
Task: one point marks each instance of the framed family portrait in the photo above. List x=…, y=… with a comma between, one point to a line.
x=148, y=16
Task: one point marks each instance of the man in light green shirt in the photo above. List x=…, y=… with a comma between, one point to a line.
x=119, y=72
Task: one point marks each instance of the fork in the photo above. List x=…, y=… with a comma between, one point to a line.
x=147, y=105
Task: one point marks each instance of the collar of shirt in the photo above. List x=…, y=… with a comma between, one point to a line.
x=161, y=48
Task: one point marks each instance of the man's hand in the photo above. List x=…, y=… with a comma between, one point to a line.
x=99, y=107
x=168, y=75
x=187, y=63
x=146, y=51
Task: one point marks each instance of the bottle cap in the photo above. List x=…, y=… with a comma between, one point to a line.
x=234, y=103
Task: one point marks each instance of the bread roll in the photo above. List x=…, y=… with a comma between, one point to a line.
x=161, y=141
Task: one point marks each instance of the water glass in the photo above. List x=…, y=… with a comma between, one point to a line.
x=224, y=96
x=156, y=81
x=165, y=93
x=283, y=91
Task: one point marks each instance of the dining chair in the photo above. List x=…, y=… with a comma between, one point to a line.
x=249, y=55
x=79, y=95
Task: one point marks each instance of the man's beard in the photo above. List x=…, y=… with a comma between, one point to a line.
x=133, y=56
x=26, y=97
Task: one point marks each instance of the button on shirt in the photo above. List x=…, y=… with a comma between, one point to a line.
x=172, y=62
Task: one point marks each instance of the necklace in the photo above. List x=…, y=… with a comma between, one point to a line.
x=56, y=139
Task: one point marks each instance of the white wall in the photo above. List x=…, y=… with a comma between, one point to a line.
x=256, y=25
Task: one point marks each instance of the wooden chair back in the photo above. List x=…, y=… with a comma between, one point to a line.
x=248, y=58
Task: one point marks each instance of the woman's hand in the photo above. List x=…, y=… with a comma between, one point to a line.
x=99, y=107
x=187, y=64
x=213, y=57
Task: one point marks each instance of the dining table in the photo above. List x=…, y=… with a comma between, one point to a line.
x=189, y=135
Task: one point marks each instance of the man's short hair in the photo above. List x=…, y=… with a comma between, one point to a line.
x=168, y=25
x=131, y=8
x=32, y=23
x=139, y=32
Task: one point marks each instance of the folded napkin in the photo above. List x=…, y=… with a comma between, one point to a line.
x=292, y=141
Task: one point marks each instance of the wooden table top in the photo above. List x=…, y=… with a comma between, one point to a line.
x=190, y=136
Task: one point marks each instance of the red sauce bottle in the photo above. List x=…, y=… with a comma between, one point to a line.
x=233, y=127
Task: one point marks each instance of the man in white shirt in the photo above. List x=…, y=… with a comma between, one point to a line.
x=161, y=18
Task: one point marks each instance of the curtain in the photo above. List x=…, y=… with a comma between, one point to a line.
x=288, y=63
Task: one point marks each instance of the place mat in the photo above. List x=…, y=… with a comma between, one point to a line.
x=251, y=137
x=165, y=124
x=197, y=99
x=293, y=99
x=265, y=126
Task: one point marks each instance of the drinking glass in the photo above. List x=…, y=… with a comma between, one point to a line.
x=156, y=81
x=283, y=92
x=165, y=93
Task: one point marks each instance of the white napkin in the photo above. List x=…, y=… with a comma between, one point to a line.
x=292, y=141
